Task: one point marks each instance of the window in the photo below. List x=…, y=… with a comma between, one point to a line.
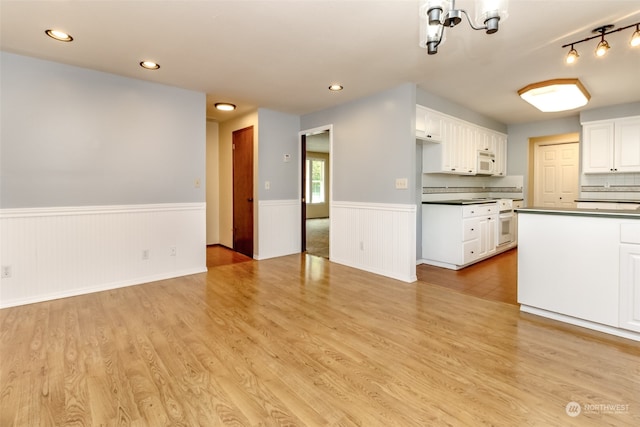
x=315, y=181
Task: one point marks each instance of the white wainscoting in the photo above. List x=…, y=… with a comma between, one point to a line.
x=279, y=228
x=60, y=252
x=380, y=238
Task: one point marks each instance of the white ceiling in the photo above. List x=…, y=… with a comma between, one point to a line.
x=282, y=54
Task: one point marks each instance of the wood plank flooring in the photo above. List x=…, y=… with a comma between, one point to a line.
x=300, y=341
x=494, y=279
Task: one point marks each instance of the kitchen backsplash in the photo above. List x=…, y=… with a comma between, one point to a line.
x=439, y=187
x=618, y=186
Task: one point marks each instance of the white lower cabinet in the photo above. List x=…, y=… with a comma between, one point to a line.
x=454, y=236
x=630, y=277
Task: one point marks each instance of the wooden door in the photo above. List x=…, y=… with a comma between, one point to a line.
x=556, y=175
x=243, y=191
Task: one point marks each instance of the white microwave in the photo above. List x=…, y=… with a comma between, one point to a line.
x=486, y=163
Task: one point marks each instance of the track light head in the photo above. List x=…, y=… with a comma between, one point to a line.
x=602, y=47
x=572, y=56
x=635, y=38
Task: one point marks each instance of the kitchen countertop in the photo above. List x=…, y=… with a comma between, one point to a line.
x=608, y=201
x=460, y=202
x=605, y=213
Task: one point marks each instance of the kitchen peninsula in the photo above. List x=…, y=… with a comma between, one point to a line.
x=581, y=266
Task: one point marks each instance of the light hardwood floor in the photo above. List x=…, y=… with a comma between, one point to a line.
x=300, y=341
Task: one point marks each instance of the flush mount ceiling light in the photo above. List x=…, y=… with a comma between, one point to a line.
x=603, y=45
x=555, y=95
x=59, y=35
x=149, y=65
x=335, y=87
x=435, y=15
x=225, y=106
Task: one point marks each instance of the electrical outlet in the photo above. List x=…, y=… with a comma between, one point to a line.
x=196, y=183
x=267, y=185
x=145, y=254
x=6, y=271
x=172, y=251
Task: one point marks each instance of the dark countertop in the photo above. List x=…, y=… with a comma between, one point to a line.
x=603, y=213
x=608, y=201
x=460, y=202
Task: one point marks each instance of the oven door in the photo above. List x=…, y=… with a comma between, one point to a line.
x=506, y=229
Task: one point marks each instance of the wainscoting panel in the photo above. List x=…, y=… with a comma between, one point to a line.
x=380, y=238
x=51, y=253
x=278, y=228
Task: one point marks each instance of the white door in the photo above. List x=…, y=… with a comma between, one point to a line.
x=556, y=175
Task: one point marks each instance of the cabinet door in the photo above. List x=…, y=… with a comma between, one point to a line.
x=483, y=140
x=429, y=124
x=492, y=234
x=501, y=155
x=597, y=147
x=630, y=287
x=627, y=145
x=461, y=149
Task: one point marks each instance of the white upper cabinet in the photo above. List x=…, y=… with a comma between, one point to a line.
x=451, y=145
x=430, y=125
x=610, y=146
x=488, y=140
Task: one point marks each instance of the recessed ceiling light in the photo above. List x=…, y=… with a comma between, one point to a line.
x=59, y=35
x=335, y=87
x=225, y=106
x=149, y=65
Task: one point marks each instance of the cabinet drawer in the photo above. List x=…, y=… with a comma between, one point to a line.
x=471, y=250
x=471, y=211
x=471, y=229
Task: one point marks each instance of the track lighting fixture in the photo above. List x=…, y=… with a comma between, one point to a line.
x=603, y=45
x=435, y=15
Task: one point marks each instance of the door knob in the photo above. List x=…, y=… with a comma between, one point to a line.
x=250, y=199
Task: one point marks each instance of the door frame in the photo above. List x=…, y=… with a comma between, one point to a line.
x=302, y=155
x=549, y=140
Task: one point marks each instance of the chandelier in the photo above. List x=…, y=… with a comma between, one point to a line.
x=435, y=15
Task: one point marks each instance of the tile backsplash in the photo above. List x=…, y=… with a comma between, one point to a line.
x=439, y=187
x=615, y=186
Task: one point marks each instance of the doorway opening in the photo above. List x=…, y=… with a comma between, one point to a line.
x=243, y=191
x=554, y=170
x=315, y=190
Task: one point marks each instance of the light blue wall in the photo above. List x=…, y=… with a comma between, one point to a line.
x=77, y=137
x=611, y=112
x=446, y=106
x=277, y=136
x=373, y=144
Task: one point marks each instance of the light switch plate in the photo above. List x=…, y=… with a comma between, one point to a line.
x=402, y=183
